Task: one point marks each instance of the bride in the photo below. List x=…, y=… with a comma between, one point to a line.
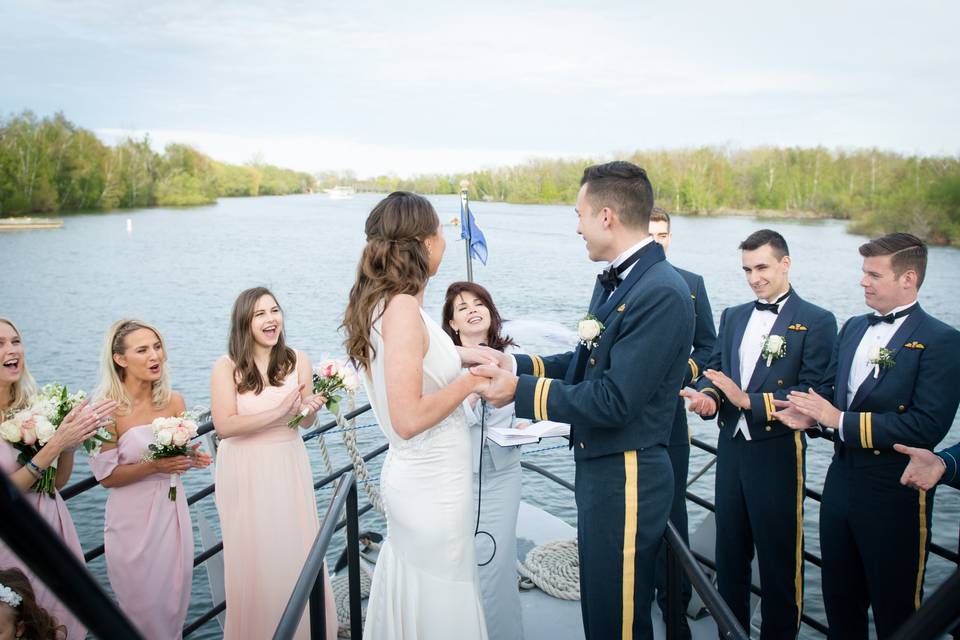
x=425, y=585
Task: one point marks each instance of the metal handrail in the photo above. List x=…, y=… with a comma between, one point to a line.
x=939, y=613
x=310, y=583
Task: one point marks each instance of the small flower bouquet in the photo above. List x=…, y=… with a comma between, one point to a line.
x=171, y=438
x=330, y=377
x=589, y=331
x=774, y=348
x=881, y=358
x=57, y=402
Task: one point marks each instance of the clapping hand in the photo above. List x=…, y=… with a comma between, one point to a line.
x=729, y=388
x=700, y=403
x=791, y=417
x=924, y=469
x=201, y=459
x=82, y=423
x=815, y=406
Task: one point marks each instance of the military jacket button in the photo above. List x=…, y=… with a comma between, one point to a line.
x=593, y=362
x=876, y=452
x=583, y=446
x=901, y=408
x=769, y=428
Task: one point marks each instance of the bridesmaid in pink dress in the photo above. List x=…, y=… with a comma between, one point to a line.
x=265, y=496
x=148, y=537
x=16, y=390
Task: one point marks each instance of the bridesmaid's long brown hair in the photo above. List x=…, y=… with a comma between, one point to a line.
x=395, y=260
x=283, y=359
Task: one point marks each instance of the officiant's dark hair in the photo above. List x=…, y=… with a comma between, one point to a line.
x=623, y=187
x=495, y=337
x=394, y=261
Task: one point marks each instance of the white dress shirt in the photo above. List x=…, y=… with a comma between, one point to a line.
x=758, y=326
x=875, y=337
x=626, y=254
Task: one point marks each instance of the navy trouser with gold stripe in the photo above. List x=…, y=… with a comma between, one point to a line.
x=760, y=489
x=875, y=537
x=623, y=501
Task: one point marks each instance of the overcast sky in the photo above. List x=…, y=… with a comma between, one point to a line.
x=380, y=87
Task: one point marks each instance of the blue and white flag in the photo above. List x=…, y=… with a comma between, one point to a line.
x=470, y=232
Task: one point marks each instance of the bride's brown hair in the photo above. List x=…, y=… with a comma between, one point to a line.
x=395, y=260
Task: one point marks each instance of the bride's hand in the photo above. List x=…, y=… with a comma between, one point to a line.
x=470, y=356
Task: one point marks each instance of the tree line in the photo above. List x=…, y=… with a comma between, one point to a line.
x=878, y=191
x=50, y=164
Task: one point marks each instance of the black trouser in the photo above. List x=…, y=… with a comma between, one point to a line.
x=875, y=537
x=760, y=485
x=623, y=501
x=680, y=461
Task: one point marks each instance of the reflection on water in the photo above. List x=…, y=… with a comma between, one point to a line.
x=181, y=270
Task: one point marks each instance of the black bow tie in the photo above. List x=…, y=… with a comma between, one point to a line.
x=772, y=307
x=890, y=317
x=610, y=278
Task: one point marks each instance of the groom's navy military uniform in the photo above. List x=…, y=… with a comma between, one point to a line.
x=620, y=397
x=704, y=338
x=760, y=475
x=874, y=532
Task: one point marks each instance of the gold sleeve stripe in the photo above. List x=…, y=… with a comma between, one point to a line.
x=543, y=397
x=863, y=431
x=538, y=369
x=923, y=546
x=630, y=516
x=537, y=392
x=868, y=420
x=768, y=403
x=712, y=392
x=798, y=570
x=694, y=369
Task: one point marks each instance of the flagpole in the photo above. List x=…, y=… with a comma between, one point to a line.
x=465, y=216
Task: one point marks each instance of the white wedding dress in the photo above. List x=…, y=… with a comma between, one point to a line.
x=425, y=584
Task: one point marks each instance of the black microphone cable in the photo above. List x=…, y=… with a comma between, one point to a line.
x=477, y=531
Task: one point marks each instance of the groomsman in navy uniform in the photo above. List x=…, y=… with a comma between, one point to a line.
x=893, y=379
x=618, y=390
x=765, y=348
x=704, y=337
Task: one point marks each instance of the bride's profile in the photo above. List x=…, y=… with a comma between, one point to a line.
x=425, y=583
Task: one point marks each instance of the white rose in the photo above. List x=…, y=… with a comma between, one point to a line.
x=10, y=431
x=164, y=437
x=874, y=353
x=180, y=437
x=588, y=329
x=774, y=344
x=45, y=430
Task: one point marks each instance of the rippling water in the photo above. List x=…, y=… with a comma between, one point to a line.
x=182, y=268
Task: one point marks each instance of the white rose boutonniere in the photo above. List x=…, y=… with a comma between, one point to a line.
x=881, y=358
x=589, y=331
x=774, y=348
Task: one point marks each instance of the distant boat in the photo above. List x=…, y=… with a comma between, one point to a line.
x=340, y=193
x=23, y=224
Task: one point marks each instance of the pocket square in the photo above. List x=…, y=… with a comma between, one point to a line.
x=797, y=327
x=914, y=345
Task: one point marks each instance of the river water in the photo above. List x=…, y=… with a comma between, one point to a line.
x=182, y=268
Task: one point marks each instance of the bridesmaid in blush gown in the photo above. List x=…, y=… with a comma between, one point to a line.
x=265, y=496
x=17, y=389
x=148, y=537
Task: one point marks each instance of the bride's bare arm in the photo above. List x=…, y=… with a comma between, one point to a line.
x=405, y=343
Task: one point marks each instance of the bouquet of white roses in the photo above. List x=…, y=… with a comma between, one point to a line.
x=330, y=377
x=56, y=402
x=171, y=438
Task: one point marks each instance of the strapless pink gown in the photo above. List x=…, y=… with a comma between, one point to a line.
x=54, y=511
x=148, y=540
x=268, y=518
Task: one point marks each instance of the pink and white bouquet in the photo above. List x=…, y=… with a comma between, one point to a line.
x=171, y=438
x=330, y=377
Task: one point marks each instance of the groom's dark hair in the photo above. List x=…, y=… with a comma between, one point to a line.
x=623, y=187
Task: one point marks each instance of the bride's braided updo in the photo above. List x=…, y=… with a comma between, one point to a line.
x=395, y=260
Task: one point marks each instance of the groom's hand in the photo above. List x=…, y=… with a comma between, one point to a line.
x=485, y=355
x=502, y=387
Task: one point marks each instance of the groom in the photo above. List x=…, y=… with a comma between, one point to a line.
x=618, y=390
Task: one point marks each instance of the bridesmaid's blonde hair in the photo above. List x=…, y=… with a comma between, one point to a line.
x=112, y=375
x=23, y=390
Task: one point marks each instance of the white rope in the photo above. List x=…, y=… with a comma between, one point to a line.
x=555, y=568
x=356, y=458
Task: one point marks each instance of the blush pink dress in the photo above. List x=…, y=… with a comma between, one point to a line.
x=268, y=518
x=148, y=540
x=54, y=511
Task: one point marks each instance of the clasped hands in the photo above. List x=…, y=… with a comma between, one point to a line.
x=495, y=381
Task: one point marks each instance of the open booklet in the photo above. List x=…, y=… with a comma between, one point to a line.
x=508, y=437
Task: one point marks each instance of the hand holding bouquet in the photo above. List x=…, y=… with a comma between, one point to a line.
x=171, y=438
x=330, y=377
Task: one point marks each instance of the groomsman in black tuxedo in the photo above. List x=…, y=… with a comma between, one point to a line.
x=704, y=338
x=765, y=348
x=893, y=380
x=618, y=390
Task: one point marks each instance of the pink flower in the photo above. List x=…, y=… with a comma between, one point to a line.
x=29, y=435
x=181, y=436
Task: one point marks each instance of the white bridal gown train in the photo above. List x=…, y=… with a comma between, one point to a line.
x=425, y=584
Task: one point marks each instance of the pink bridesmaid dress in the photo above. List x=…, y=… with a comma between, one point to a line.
x=54, y=511
x=268, y=517
x=148, y=540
